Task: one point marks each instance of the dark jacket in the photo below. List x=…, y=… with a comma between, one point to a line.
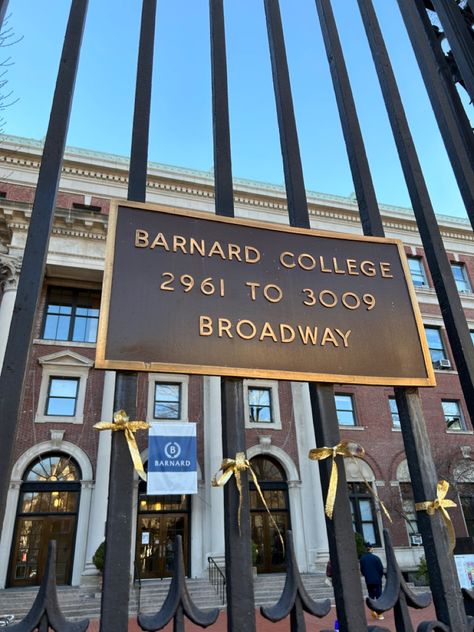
x=371, y=568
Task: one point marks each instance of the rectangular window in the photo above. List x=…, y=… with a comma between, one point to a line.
x=260, y=405
x=417, y=270
x=167, y=403
x=62, y=396
x=460, y=277
x=71, y=314
x=435, y=344
x=394, y=412
x=452, y=414
x=363, y=514
x=345, y=410
x=408, y=508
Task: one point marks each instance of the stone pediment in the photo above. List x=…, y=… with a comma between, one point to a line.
x=66, y=358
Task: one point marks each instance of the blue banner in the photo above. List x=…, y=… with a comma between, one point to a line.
x=172, y=462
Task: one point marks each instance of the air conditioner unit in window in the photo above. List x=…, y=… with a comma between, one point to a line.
x=453, y=421
x=444, y=363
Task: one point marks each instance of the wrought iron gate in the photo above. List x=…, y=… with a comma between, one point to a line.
x=457, y=136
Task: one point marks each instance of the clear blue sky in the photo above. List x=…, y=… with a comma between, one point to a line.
x=181, y=130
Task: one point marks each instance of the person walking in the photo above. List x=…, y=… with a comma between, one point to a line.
x=371, y=568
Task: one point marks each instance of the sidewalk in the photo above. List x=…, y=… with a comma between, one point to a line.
x=312, y=623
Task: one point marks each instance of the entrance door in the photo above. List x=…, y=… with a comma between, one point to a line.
x=155, y=541
x=266, y=541
x=47, y=510
x=160, y=520
x=31, y=549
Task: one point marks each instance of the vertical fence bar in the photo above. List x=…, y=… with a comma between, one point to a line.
x=3, y=10
x=364, y=187
x=141, y=116
x=36, y=249
x=224, y=193
x=446, y=290
x=459, y=38
x=118, y=529
x=348, y=591
x=444, y=583
x=239, y=579
x=443, y=576
x=448, y=109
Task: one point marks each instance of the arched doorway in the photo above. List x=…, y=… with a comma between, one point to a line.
x=271, y=477
x=47, y=510
x=159, y=520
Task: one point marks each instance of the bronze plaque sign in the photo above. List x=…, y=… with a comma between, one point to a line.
x=196, y=293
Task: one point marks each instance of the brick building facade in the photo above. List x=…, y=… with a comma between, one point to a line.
x=59, y=478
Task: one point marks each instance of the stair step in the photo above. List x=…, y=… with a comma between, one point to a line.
x=84, y=602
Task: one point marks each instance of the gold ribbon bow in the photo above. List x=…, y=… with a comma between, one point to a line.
x=345, y=448
x=234, y=467
x=441, y=503
x=122, y=422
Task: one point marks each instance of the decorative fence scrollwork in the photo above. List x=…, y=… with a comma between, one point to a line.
x=45, y=612
x=294, y=600
x=178, y=602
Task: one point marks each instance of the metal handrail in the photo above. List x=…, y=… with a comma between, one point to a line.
x=138, y=579
x=217, y=578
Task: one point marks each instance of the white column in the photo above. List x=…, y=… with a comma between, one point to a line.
x=213, y=516
x=101, y=489
x=312, y=504
x=9, y=275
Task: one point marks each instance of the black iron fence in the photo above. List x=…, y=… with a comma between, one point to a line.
x=438, y=77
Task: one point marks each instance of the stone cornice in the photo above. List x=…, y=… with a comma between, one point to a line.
x=83, y=164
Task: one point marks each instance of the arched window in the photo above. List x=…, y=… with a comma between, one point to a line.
x=47, y=510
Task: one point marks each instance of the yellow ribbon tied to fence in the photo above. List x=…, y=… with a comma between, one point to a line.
x=234, y=467
x=122, y=423
x=441, y=503
x=345, y=448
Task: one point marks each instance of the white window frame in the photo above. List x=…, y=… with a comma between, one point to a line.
x=59, y=365
x=272, y=385
x=459, y=265
x=422, y=271
x=170, y=378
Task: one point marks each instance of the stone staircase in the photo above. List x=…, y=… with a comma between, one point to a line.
x=84, y=602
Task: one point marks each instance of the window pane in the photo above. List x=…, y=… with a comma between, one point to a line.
x=167, y=392
x=365, y=510
x=345, y=410
x=72, y=315
x=62, y=397
x=394, y=411
x=435, y=344
x=260, y=404
x=166, y=411
x=167, y=401
x=452, y=414
x=56, y=327
x=417, y=271
x=63, y=388
x=460, y=277
x=368, y=533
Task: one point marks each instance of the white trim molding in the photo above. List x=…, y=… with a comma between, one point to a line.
x=275, y=424
x=171, y=378
x=63, y=364
x=14, y=492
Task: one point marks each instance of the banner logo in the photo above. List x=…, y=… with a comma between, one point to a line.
x=172, y=450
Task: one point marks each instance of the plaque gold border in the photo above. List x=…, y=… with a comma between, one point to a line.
x=101, y=362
